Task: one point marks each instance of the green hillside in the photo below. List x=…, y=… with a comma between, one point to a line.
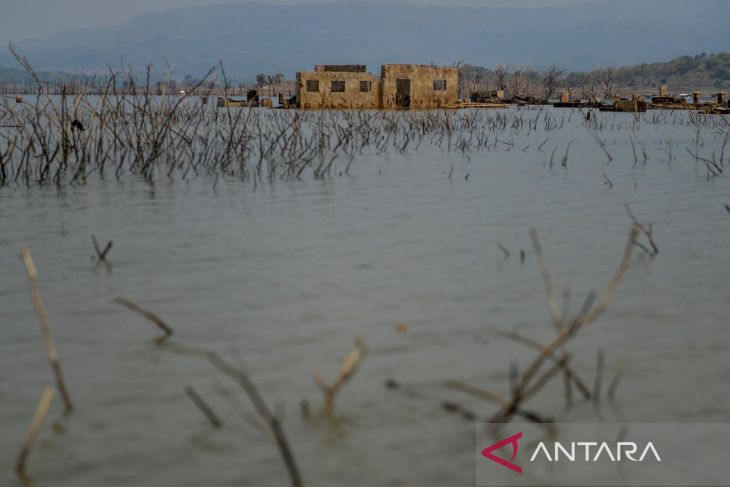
x=701, y=72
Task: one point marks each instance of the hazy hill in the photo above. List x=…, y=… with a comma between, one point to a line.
x=20, y=76
x=701, y=71
x=253, y=38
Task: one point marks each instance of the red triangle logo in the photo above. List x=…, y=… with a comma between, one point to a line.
x=512, y=440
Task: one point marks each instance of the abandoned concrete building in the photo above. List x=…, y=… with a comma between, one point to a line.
x=338, y=86
x=400, y=86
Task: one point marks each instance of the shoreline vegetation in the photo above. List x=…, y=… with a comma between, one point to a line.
x=65, y=139
x=704, y=73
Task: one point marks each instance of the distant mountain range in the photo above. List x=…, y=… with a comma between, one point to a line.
x=20, y=76
x=257, y=38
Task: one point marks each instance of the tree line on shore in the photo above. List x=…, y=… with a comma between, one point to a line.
x=701, y=72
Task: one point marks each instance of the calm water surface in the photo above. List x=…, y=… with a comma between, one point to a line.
x=283, y=278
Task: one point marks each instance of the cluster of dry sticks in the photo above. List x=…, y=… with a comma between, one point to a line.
x=523, y=386
x=237, y=375
x=54, y=142
x=347, y=370
x=273, y=422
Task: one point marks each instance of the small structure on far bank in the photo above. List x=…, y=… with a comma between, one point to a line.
x=401, y=86
x=668, y=101
x=639, y=104
x=634, y=105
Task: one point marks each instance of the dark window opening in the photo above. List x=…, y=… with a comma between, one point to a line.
x=312, y=85
x=337, y=87
x=439, y=84
x=364, y=86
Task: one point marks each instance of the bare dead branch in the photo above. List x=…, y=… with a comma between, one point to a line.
x=614, y=384
x=42, y=314
x=253, y=394
x=347, y=370
x=495, y=398
x=204, y=407
x=153, y=318
x=504, y=250
x=646, y=229
x=101, y=254
x=547, y=280
x=35, y=425
x=569, y=372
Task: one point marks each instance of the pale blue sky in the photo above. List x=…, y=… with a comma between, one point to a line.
x=27, y=19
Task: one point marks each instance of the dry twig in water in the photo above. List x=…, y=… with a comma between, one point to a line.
x=101, y=254
x=153, y=318
x=504, y=250
x=647, y=230
x=556, y=315
x=45, y=326
x=496, y=399
x=35, y=426
x=262, y=409
x=347, y=370
x=204, y=407
x=614, y=383
x=601, y=143
x=571, y=375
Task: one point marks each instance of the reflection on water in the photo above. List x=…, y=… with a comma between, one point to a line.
x=282, y=279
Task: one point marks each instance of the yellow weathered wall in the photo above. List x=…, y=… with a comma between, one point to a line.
x=423, y=96
x=351, y=98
